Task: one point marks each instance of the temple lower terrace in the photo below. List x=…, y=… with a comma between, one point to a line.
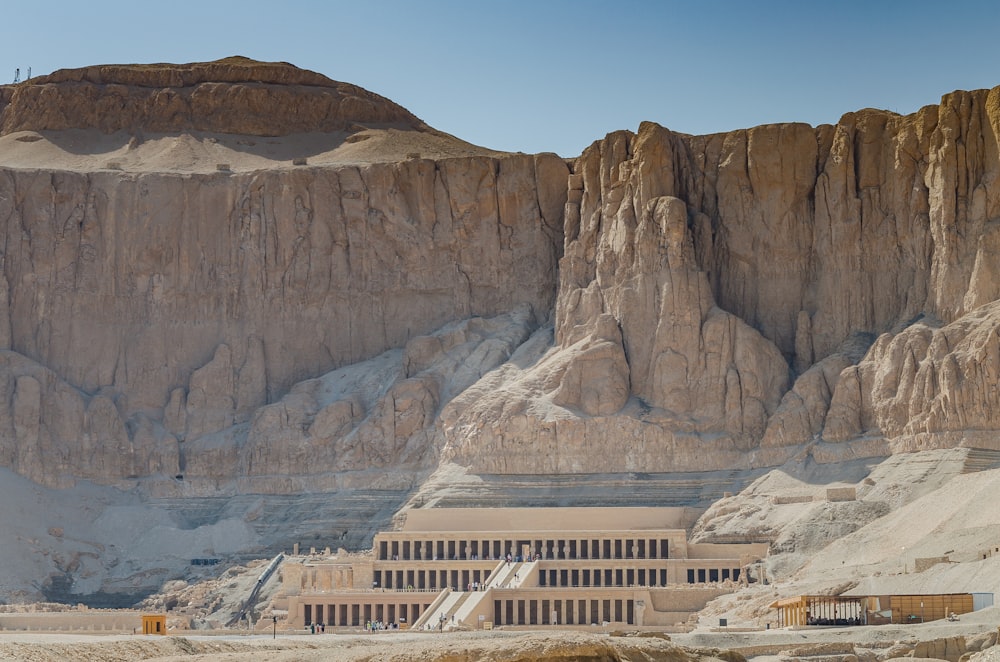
x=452, y=568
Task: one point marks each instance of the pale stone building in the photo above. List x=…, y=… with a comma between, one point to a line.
x=476, y=567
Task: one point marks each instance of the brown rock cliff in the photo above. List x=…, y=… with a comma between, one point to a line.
x=234, y=95
x=714, y=301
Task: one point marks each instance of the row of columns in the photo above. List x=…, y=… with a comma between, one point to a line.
x=429, y=579
x=358, y=613
x=460, y=579
x=712, y=575
x=564, y=612
x=498, y=548
x=576, y=577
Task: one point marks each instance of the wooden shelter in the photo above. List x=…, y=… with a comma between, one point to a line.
x=821, y=610
x=869, y=609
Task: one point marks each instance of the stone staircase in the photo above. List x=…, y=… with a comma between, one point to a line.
x=439, y=614
x=453, y=609
x=510, y=576
x=981, y=459
x=465, y=608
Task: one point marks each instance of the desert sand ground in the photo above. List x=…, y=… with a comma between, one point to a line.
x=883, y=642
x=454, y=647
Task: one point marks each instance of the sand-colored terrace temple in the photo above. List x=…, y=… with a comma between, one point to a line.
x=483, y=567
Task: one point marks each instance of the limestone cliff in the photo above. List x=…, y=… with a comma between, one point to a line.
x=716, y=293
x=161, y=308
x=713, y=305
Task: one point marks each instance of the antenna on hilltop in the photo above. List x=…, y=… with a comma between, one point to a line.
x=29, y=74
x=17, y=75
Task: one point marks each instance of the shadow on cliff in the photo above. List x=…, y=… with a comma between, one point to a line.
x=58, y=588
x=215, y=146
x=807, y=470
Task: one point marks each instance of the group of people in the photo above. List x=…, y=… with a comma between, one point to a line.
x=834, y=621
x=370, y=626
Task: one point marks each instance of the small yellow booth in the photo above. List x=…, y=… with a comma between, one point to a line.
x=154, y=623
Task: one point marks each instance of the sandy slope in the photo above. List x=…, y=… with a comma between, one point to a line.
x=101, y=534
x=87, y=150
x=929, y=509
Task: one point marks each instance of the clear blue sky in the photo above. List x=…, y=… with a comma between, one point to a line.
x=554, y=75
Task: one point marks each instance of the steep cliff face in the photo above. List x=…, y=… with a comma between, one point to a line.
x=722, y=290
x=714, y=304
x=168, y=307
x=809, y=235
x=195, y=300
x=859, y=225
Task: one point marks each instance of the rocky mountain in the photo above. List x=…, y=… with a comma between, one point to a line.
x=239, y=278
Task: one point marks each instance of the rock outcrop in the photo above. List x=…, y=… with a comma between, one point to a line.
x=818, y=239
x=735, y=282
x=168, y=308
x=193, y=300
x=695, y=302
x=234, y=95
x=928, y=386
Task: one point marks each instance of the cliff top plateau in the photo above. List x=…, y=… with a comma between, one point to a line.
x=232, y=114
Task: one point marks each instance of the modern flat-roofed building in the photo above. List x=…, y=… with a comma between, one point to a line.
x=479, y=567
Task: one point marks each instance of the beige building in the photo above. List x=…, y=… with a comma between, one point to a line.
x=475, y=567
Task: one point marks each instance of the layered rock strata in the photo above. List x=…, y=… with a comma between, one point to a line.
x=143, y=310
x=809, y=235
x=234, y=95
x=192, y=301
x=721, y=289
x=715, y=299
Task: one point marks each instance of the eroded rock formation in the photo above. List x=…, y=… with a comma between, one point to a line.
x=812, y=236
x=234, y=95
x=719, y=300
x=146, y=311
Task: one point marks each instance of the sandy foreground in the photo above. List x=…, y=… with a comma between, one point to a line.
x=885, y=642
x=454, y=647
